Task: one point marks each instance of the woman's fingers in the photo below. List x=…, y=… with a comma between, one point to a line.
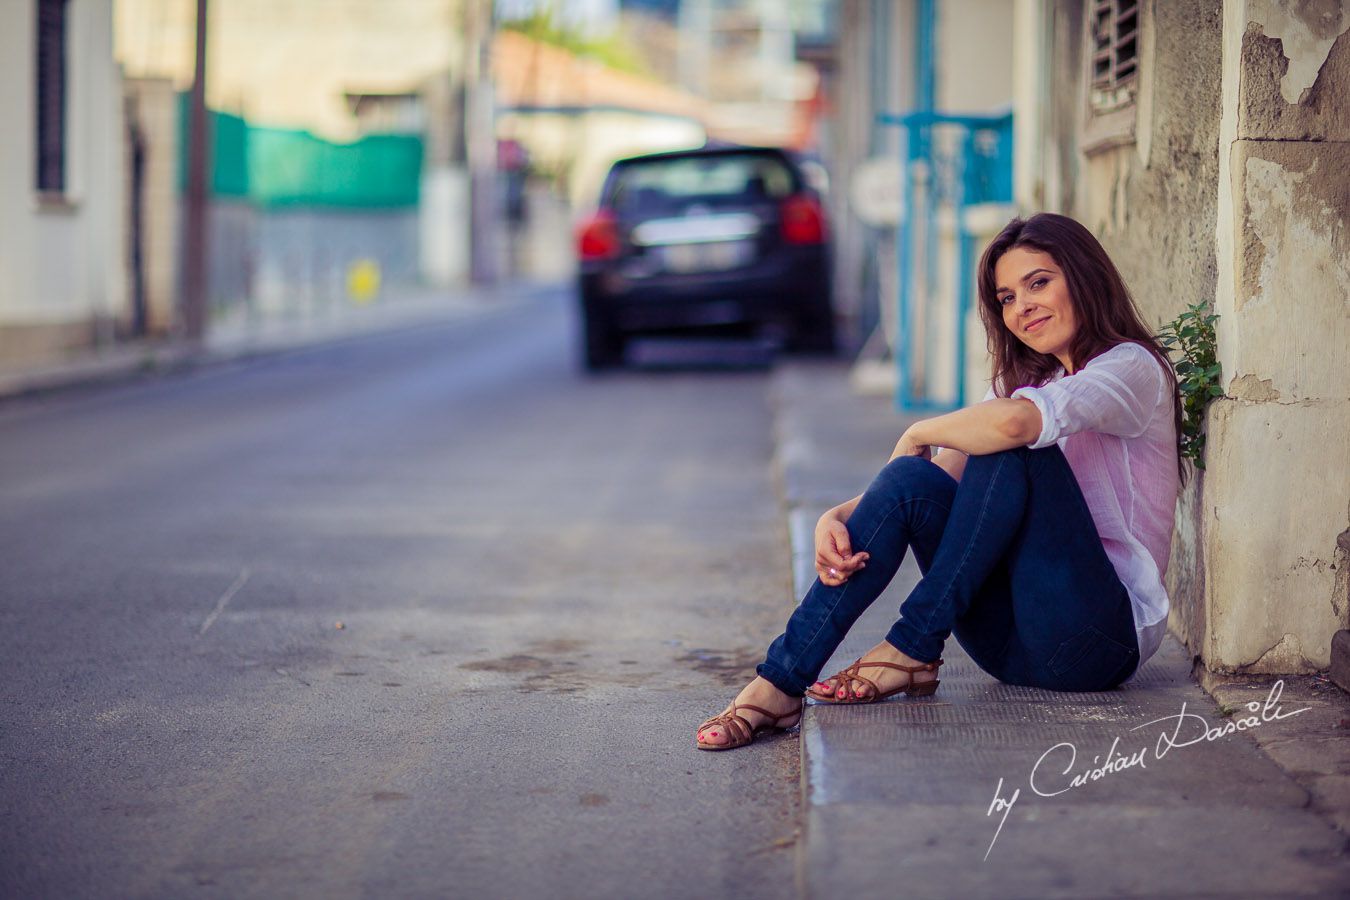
x=837, y=575
x=833, y=548
x=842, y=542
x=846, y=564
x=825, y=556
x=835, y=559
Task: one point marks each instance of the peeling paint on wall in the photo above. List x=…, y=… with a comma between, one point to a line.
x=1285, y=656
x=1340, y=594
x=1306, y=29
x=1283, y=214
x=1249, y=387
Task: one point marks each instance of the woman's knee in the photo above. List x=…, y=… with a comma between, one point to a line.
x=1027, y=458
x=913, y=477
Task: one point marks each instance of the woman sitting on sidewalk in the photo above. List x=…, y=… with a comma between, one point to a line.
x=1042, y=527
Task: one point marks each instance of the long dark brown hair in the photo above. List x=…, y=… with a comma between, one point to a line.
x=1103, y=308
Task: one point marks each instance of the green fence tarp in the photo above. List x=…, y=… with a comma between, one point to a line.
x=229, y=150
x=276, y=167
x=294, y=168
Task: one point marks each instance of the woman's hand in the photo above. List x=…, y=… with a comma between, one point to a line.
x=835, y=559
x=910, y=445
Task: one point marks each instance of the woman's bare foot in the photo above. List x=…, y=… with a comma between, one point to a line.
x=759, y=693
x=886, y=679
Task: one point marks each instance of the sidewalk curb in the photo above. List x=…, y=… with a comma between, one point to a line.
x=132, y=361
x=1313, y=748
x=120, y=365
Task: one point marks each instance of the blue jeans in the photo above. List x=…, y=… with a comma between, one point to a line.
x=1012, y=565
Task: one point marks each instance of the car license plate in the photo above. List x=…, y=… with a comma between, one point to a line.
x=707, y=257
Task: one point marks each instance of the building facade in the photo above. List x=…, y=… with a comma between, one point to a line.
x=62, y=259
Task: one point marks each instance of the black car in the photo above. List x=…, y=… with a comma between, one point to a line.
x=701, y=240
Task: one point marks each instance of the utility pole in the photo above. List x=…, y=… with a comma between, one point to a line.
x=481, y=139
x=195, y=226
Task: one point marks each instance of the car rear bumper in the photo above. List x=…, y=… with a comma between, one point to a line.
x=655, y=304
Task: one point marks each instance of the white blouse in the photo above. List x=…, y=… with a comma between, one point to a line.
x=1113, y=419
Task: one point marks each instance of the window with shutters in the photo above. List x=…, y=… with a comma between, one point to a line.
x=51, y=96
x=1112, y=49
x=1115, y=52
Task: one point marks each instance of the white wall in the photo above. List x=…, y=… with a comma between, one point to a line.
x=62, y=264
x=974, y=55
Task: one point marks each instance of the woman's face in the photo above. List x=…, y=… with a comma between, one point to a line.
x=1035, y=301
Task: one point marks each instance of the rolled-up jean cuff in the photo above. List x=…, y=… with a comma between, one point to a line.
x=900, y=638
x=780, y=679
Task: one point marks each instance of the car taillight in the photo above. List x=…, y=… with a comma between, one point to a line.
x=803, y=220
x=598, y=238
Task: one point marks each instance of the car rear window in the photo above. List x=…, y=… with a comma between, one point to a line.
x=721, y=179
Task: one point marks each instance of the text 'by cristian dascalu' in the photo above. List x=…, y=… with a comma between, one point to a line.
x=1058, y=772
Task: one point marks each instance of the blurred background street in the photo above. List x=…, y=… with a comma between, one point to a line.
x=414, y=415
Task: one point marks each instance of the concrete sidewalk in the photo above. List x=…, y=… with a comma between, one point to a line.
x=906, y=798
x=243, y=336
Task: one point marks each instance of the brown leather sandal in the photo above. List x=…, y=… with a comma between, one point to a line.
x=848, y=676
x=739, y=729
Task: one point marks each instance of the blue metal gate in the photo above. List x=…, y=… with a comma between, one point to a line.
x=971, y=165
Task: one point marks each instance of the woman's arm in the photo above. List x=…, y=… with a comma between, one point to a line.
x=1121, y=392
x=988, y=427
x=843, y=510
x=1011, y=423
x=990, y=424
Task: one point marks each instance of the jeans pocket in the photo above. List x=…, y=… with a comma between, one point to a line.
x=1092, y=661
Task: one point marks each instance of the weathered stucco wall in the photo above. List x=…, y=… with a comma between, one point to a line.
x=1152, y=201
x=1277, y=495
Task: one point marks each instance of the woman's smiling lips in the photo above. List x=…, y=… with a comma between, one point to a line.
x=1036, y=324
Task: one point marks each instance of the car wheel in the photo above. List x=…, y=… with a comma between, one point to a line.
x=602, y=345
x=814, y=333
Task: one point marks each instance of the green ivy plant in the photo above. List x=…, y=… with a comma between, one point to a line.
x=1190, y=337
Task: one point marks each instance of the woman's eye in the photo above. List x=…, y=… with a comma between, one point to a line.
x=1038, y=283
x=1006, y=299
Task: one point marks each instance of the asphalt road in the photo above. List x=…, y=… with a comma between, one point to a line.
x=544, y=582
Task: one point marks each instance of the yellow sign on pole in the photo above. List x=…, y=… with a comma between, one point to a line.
x=363, y=281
